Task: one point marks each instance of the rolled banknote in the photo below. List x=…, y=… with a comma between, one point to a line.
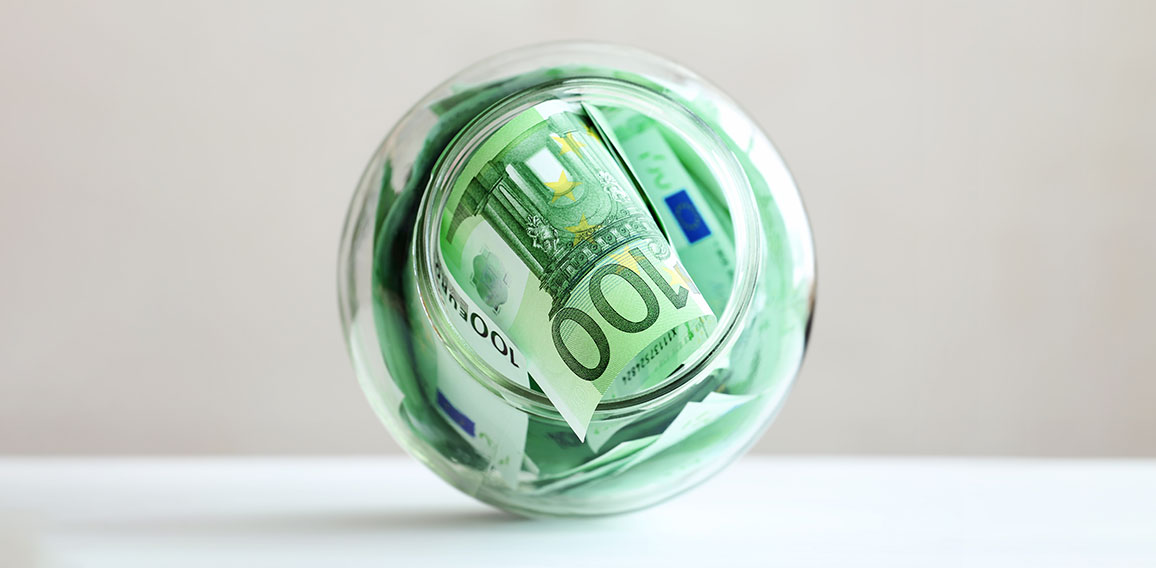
x=551, y=264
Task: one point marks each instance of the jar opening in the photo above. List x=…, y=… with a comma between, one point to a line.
x=705, y=159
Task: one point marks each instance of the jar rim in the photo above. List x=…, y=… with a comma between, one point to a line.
x=732, y=181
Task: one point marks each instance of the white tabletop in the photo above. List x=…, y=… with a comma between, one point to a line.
x=386, y=512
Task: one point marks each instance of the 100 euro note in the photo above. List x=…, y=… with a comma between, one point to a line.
x=564, y=277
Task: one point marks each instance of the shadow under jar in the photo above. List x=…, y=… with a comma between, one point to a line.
x=543, y=185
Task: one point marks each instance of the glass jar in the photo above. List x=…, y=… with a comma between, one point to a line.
x=443, y=372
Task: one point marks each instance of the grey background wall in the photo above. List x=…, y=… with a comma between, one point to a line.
x=981, y=178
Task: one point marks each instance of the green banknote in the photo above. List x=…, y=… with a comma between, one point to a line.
x=702, y=241
x=552, y=267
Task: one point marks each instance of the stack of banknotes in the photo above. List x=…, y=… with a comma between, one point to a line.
x=582, y=254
